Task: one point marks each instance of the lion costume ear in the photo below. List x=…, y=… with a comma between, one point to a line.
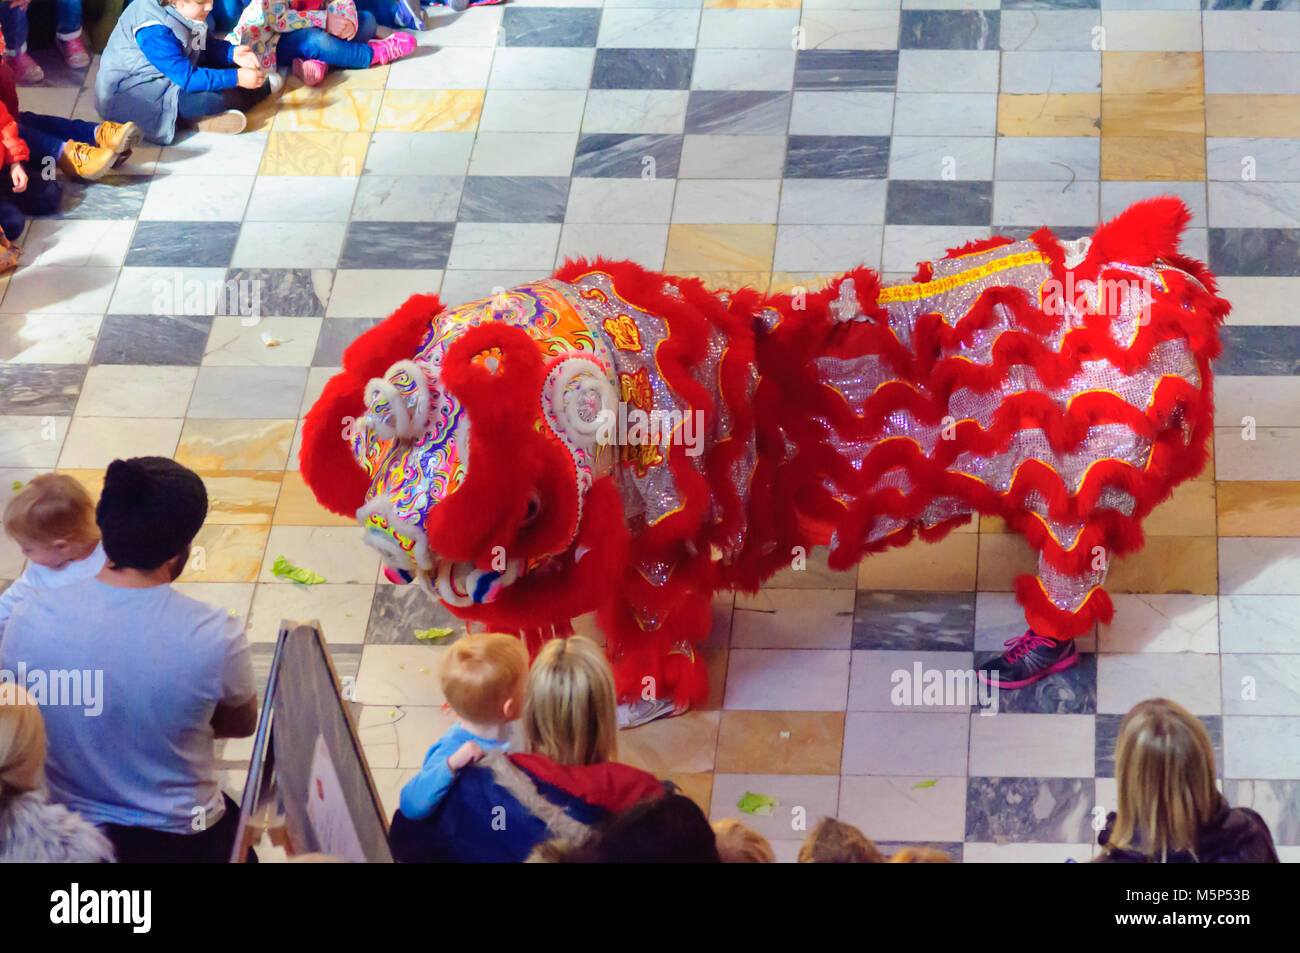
x=498, y=374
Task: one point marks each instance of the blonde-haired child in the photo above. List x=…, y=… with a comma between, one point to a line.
x=483, y=677
x=740, y=844
x=52, y=519
x=1169, y=809
x=920, y=855
x=571, y=707
x=32, y=830
x=834, y=842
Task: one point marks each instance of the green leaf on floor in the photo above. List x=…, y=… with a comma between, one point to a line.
x=287, y=570
x=432, y=635
x=925, y=784
x=760, y=804
x=18, y=484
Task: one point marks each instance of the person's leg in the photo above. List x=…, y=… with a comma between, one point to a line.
x=77, y=130
x=14, y=23
x=69, y=18
x=195, y=106
x=41, y=140
x=382, y=11
x=141, y=845
x=11, y=219
x=314, y=44
x=367, y=26
x=41, y=197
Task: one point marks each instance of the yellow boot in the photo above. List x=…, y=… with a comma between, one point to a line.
x=83, y=161
x=119, y=136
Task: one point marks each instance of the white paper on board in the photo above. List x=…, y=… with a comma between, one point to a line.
x=327, y=809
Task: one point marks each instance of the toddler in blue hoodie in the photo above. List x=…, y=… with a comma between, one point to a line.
x=483, y=678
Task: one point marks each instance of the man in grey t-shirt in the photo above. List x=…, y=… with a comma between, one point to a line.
x=159, y=676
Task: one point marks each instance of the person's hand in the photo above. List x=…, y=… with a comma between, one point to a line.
x=251, y=78
x=466, y=754
x=245, y=57
x=18, y=175
x=338, y=25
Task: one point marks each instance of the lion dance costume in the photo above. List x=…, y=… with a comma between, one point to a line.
x=1063, y=387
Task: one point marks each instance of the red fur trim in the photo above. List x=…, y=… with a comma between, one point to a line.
x=975, y=246
x=924, y=272
x=325, y=459
x=395, y=338
x=1053, y=622
x=1143, y=232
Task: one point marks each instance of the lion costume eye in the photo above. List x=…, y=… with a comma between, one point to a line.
x=534, y=510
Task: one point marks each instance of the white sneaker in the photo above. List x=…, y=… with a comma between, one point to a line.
x=632, y=714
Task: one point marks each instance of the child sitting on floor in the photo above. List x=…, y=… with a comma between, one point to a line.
x=314, y=35
x=483, y=678
x=834, y=842
x=13, y=19
x=740, y=844
x=150, y=73
x=52, y=519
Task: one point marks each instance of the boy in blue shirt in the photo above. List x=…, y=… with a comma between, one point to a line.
x=483, y=678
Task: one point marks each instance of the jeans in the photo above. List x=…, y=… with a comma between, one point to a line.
x=194, y=106
x=41, y=197
x=225, y=14
x=384, y=11
x=45, y=135
x=69, y=20
x=141, y=845
x=14, y=24
x=314, y=44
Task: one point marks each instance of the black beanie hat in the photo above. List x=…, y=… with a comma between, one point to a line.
x=150, y=509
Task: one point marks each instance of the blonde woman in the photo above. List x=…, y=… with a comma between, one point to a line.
x=567, y=781
x=32, y=830
x=1169, y=809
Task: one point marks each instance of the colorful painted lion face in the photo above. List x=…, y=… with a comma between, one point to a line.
x=483, y=448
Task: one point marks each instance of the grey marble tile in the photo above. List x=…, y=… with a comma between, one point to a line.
x=1259, y=684
x=549, y=26
x=40, y=389
x=189, y=244
x=248, y=392
x=738, y=112
x=1261, y=747
x=1252, y=350
x=837, y=157
x=1065, y=233
x=1278, y=802
x=397, y=245
x=1058, y=71
x=846, y=69
x=1048, y=29
x=1017, y=810
x=953, y=849
x=932, y=202
x=948, y=30
x=914, y=620
x=283, y=292
x=1072, y=692
x=642, y=69
x=1255, y=251
x=152, y=339
x=513, y=198
x=1107, y=734
x=335, y=335
x=1051, y=4
x=1258, y=623
x=625, y=156
x=407, y=198
x=1061, y=159
x=1264, y=160
x=398, y=611
x=947, y=158
x=112, y=197
x=1252, y=73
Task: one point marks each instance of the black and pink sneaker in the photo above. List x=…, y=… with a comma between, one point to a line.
x=1027, y=659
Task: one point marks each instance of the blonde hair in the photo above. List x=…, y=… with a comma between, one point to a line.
x=920, y=855
x=22, y=742
x=481, y=672
x=51, y=507
x=834, y=842
x=740, y=844
x=570, y=711
x=1164, y=766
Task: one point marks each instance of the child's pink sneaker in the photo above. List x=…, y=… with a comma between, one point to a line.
x=74, y=51
x=27, y=72
x=311, y=72
x=392, y=47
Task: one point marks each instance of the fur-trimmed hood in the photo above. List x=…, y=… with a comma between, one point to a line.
x=34, y=831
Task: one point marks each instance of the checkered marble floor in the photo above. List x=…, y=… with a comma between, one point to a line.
x=743, y=141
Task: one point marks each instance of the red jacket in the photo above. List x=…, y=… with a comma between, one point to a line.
x=12, y=145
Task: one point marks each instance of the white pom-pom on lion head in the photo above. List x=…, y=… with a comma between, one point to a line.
x=399, y=405
x=580, y=400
